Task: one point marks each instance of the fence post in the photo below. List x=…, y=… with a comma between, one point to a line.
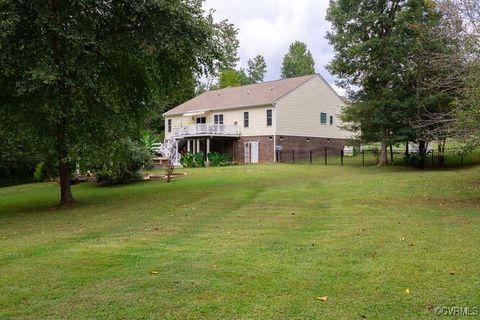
x=293, y=156
x=310, y=156
x=325, y=155
x=341, y=157
x=363, y=157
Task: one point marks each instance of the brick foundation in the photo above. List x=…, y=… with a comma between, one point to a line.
x=287, y=143
x=265, y=149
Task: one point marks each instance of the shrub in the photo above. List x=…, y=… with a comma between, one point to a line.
x=40, y=173
x=123, y=163
x=200, y=159
x=187, y=160
x=415, y=160
x=190, y=160
x=218, y=159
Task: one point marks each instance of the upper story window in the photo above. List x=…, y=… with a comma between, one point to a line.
x=201, y=120
x=269, y=117
x=218, y=119
x=331, y=120
x=246, y=119
x=323, y=118
x=169, y=125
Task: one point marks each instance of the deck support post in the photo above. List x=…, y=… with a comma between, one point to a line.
x=188, y=146
x=208, y=149
x=198, y=145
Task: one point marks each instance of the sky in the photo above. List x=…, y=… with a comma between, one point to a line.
x=268, y=27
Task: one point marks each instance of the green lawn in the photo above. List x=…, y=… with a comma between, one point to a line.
x=247, y=242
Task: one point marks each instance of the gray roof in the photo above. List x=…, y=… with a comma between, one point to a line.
x=245, y=96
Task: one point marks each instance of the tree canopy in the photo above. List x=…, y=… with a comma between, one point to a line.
x=257, y=68
x=298, y=61
x=231, y=77
x=80, y=75
x=375, y=47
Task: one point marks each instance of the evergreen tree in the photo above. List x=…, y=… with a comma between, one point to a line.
x=298, y=61
x=257, y=68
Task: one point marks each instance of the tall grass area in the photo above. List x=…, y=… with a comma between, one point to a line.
x=246, y=242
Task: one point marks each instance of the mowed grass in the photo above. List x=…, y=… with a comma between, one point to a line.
x=247, y=242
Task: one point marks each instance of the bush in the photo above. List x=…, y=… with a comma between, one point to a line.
x=217, y=159
x=200, y=159
x=124, y=163
x=190, y=160
x=40, y=173
x=415, y=160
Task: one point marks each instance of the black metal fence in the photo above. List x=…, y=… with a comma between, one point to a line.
x=333, y=156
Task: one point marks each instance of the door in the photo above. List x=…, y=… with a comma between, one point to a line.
x=246, y=147
x=254, y=152
x=251, y=152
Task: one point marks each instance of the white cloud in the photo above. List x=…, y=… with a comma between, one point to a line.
x=268, y=27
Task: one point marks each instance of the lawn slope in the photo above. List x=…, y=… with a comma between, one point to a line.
x=247, y=242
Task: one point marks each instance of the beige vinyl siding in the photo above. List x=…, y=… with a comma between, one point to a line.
x=257, y=120
x=177, y=122
x=298, y=113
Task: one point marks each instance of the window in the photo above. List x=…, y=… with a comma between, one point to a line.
x=323, y=118
x=269, y=117
x=331, y=120
x=245, y=119
x=169, y=125
x=201, y=120
x=218, y=119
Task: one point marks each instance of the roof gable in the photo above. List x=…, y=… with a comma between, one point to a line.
x=245, y=96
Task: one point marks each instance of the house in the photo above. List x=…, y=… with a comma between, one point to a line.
x=252, y=122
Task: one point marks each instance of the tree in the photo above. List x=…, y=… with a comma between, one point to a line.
x=81, y=75
x=459, y=70
x=257, y=68
x=230, y=77
x=452, y=71
x=374, y=45
x=298, y=61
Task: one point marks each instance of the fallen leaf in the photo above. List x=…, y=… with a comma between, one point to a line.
x=402, y=239
x=154, y=272
x=452, y=272
x=323, y=299
x=407, y=291
x=214, y=266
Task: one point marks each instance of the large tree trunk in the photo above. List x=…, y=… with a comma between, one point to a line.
x=383, y=159
x=391, y=153
x=422, y=153
x=66, y=197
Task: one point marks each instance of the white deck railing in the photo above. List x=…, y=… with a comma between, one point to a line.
x=204, y=129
